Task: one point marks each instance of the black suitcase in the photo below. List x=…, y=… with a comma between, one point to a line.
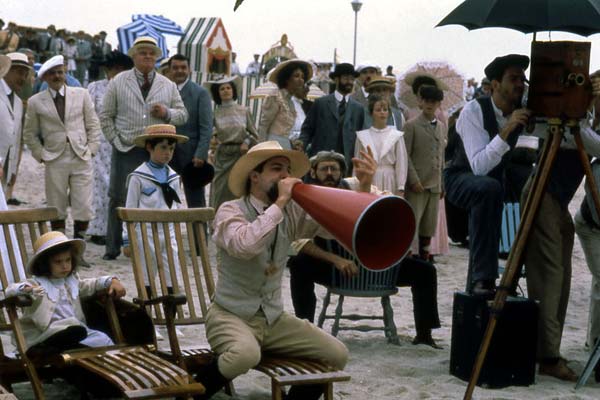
x=512, y=353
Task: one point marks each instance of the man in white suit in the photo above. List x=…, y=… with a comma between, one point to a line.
x=11, y=116
x=134, y=100
x=63, y=132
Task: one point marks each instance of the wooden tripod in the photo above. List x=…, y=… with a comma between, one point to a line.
x=515, y=257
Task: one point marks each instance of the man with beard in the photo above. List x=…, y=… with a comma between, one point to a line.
x=333, y=120
x=252, y=235
x=488, y=128
x=190, y=157
x=314, y=263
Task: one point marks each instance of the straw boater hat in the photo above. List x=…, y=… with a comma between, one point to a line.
x=299, y=164
x=234, y=80
x=163, y=65
x=50, y=240
x=272, y=76
x=159, y=131
x=49, y=64
x=410, y=78
x=4, y=65
x=381, y=82
x=145, y=41
x=362, y=67
x=19, y=60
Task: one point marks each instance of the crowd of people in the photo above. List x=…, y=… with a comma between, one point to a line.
x=138, y=138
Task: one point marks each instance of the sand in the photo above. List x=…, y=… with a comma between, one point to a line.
x=379, y=370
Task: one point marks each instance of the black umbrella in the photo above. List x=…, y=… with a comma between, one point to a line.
x=576, y=16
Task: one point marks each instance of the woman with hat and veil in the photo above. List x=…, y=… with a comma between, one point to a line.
x=115, y=62
x=235, y=134
x=279, y=112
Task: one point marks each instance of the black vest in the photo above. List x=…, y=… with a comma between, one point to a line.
x=460, y=162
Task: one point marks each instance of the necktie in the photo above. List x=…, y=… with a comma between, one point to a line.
x=169, y=194
x=11, y=98
x=146, y=86
x=341, y=113
x=59, y=102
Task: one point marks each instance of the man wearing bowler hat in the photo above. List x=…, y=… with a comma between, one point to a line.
x=189, y=160
x=488, y=130
x=252, y=235
x=134, y=100
x=333, y=120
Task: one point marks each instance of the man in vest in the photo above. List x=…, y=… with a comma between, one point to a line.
x=253, y=236
x=488, y=128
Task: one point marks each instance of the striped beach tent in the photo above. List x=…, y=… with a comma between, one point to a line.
x=206, y=44
x=159, y=23
x=129, y=32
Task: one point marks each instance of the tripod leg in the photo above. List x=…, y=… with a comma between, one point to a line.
x=513, y=264
x=589, y=366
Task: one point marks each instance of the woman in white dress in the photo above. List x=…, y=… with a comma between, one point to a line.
x=387, y=145
x=115, y=63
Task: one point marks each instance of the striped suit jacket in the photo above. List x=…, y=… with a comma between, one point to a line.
x=126, y=113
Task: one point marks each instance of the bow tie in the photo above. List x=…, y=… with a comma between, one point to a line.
x=169, y=194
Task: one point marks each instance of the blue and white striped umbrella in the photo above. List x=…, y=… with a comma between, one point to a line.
x=128, y=33
x=160, y=23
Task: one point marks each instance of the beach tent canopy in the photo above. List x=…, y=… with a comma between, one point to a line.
x=129, y=32
x=206, y=44
x=159, y=23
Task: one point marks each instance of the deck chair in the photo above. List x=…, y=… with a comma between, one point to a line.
x=367, y=283
x=134, y=370
x=153, y=234
x=511, y=217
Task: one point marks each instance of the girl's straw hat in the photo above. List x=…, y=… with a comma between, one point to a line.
x=49, y=241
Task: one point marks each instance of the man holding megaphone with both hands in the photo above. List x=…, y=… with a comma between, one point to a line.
x=253, y=235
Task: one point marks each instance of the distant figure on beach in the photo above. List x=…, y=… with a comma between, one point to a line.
x=333, y=120
x=366, y=72
x=254, y=67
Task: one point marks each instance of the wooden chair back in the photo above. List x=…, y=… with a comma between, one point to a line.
x=169, y=255
x=19, y=229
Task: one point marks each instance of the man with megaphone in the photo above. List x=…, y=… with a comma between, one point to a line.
x=253, y=234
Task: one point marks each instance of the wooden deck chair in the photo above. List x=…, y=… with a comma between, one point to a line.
x=367, y=283
x=158, y=233
x=134, y=370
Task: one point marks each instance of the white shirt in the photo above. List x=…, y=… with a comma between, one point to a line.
x=484, y=155
x=53, y=92
x=181, y=85
x=300, y=117
x=339, y=97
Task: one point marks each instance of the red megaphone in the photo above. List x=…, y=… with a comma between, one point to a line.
x=377, y=229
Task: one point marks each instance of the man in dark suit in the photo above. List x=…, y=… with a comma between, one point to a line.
x=334, y=119
x=198, y=128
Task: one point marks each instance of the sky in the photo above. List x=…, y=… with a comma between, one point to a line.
x=390, y=32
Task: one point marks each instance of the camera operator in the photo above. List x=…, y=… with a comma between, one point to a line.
x=475, y=178
x=550, y=243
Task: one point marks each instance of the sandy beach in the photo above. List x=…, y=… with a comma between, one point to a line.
x=379, y=370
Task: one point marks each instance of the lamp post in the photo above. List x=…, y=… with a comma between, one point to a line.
x=356, y=5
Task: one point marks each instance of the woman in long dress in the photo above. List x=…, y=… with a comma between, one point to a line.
x=279, y=112
x=115, y=63
x=234, y=132
x=387, y=144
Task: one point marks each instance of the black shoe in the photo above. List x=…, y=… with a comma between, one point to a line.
x=14, y=202
x=99, y=240
x=428, y=340
x=110, y=256
x=484, y=288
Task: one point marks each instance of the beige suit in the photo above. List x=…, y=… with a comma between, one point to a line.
x=66, y=148
x=425, y=144
x=11, y=117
